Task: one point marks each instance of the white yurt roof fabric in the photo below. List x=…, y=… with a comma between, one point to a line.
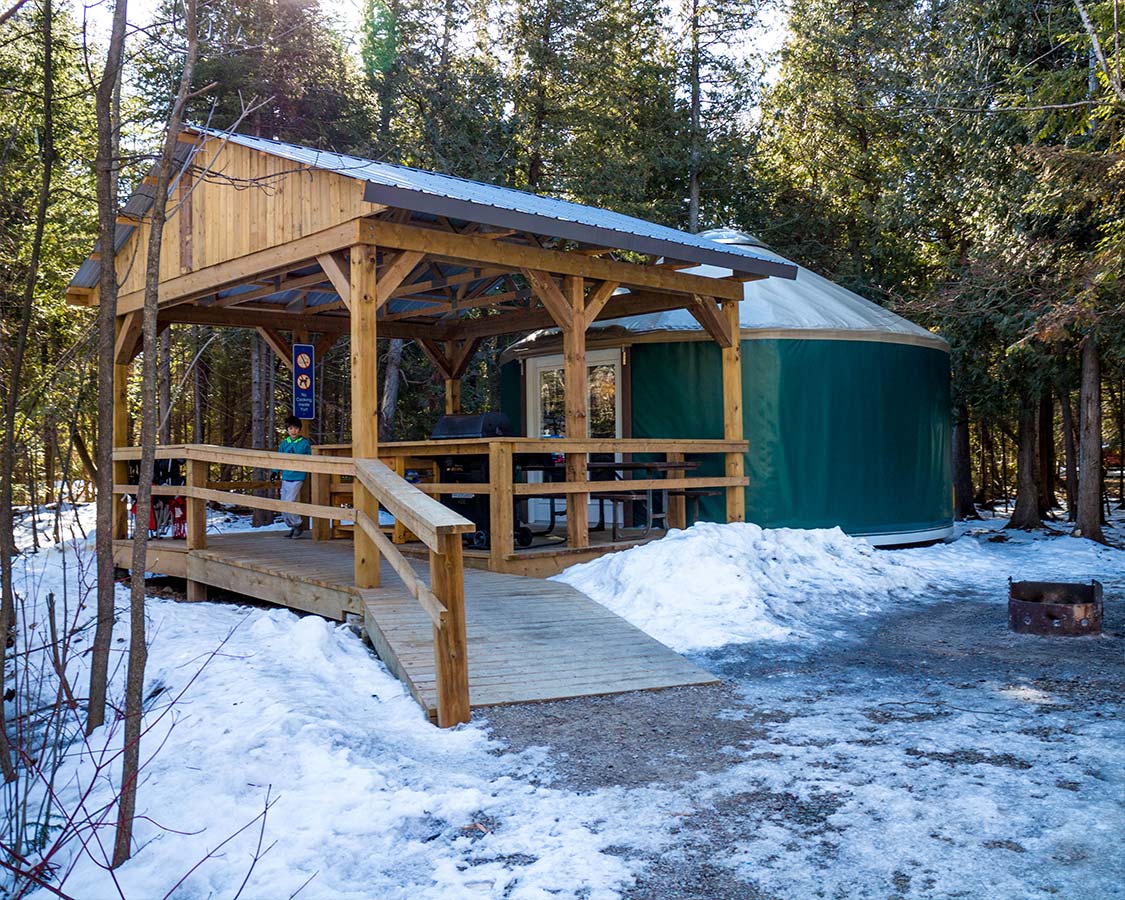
x=811, y=302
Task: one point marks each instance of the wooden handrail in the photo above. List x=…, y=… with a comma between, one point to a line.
x=440, y=529
x=633, y=484
x=201, y=493
x=434, y=608
x=459, y=446
x=251, y=459
x=426, y=517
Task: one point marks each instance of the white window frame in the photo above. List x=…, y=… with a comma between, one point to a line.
x=537, y=365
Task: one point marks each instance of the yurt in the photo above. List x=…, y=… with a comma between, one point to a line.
x=846, y=405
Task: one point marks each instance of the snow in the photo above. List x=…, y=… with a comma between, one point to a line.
x=711, y=585
x=250, y=707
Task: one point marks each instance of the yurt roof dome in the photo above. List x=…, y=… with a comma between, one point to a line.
x=812, y=305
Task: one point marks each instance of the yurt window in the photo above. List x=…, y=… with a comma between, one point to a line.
x=546, y=392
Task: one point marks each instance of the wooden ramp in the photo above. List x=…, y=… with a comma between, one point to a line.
x=528, y=639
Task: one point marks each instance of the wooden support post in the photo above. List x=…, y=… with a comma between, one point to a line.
x=501, y=505
x=677, y=505
x=197, y=472
x=363, y=286
x=575, y=400
x=452, y=385
x=120, y=439
x=732, y=413
x=450, y=647
x=452, y=396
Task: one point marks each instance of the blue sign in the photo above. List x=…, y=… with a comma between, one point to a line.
x=304, y=381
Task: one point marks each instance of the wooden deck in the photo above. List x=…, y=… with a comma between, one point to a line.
x=528, y=639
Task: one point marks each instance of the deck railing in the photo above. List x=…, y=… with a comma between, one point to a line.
x=504, y=491
x=438, y=527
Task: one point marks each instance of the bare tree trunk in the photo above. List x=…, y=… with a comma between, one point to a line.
x=963, y=506
x=696, y=124
x=1047, y=464
x=1089, y=520
x=1004, y=484
x=1071, y=451
x=138, y=649
x=258, y=350
x=106, y=165
x=1121, y=445
x=985, y=442
x=14, y=386
x=1026, y=512
x=165, y=386
x=88, y=467
x=269, y=358
x=198, y=378
x=391, y=382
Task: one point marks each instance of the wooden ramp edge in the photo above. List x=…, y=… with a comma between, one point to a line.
x=529, y=640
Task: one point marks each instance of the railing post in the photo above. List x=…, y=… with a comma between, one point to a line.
x=400, y=534
x=501, y=505
x=450, y=651
x=322, y=496
x=677, y=504
x=197, y=471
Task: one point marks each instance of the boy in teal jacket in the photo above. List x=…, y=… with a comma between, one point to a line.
x=293, y=442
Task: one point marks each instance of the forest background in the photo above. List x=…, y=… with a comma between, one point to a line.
x=959, y=161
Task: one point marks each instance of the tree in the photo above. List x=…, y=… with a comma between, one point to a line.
x=138, y=649
x=15, y=356
x=107, y=167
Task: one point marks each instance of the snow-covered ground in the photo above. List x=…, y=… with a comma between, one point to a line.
x=712, y=585
x=251, y=706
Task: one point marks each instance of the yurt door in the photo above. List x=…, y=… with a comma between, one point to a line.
x=546, y=413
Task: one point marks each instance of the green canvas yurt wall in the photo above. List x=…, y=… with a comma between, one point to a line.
x=846, y=406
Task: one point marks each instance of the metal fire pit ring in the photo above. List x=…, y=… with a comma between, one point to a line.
x=1055, y=608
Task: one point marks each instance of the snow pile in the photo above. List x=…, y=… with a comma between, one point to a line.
x=711, y=585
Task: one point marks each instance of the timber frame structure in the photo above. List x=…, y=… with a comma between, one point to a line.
x=304, y=245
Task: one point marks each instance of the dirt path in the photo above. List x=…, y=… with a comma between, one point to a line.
x=935, y=755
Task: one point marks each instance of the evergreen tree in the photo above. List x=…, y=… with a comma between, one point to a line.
x=280, y=59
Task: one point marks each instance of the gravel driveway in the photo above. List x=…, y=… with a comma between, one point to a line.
x=929, y=755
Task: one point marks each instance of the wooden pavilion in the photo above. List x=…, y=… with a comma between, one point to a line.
x=308, y=246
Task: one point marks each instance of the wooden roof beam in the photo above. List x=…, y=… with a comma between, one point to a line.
x=713, y=320
x=393, y=274
x=280, y=284
x=338, y=270
x=240, y=317
x=552, y=298
x=476, y=249
x=278, y=345
x=634, y=303
x=128, y=342
x=260, y=264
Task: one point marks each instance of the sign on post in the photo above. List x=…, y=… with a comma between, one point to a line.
x=304, y=381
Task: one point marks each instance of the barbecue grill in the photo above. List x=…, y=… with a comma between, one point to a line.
x=472, y=468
